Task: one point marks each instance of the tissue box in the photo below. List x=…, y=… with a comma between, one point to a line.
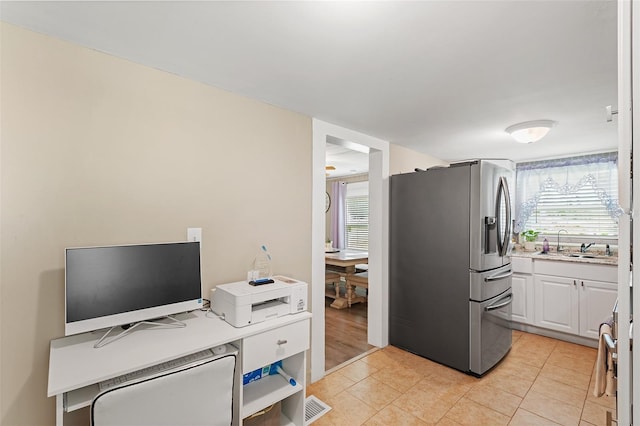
x=261, y=372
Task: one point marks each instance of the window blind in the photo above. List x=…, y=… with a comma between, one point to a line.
x=580, y=211
x=357, y=216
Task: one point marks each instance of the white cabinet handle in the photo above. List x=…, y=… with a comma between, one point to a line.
x=281, y=342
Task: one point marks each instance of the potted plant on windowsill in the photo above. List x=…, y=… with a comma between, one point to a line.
x=530, y=237
x=328, y=245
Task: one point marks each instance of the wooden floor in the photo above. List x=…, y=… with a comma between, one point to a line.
x=345, y=333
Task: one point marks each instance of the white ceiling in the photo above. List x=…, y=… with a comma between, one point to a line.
x=347, y=162
x=441, y=77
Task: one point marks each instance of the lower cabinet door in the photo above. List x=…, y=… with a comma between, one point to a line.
x=596, y=304
x=557, y=303
x=522, y=306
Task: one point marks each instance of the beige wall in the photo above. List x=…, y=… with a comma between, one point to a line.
x=97, y=150
x=405, y=160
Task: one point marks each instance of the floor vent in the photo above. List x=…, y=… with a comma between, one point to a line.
x=314, y=409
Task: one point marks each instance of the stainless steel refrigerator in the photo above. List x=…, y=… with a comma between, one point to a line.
x=450, y=266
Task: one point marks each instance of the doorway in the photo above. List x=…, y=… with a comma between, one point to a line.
x=377, y=309
x=346, y=236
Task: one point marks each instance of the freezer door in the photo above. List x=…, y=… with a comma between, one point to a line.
x=491, y=214
x=487, y=285
x=489, y=332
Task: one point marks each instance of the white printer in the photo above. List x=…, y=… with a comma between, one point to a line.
x=243, y=304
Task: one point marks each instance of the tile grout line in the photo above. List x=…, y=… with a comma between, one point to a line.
x=556, y=352
x=538, y=375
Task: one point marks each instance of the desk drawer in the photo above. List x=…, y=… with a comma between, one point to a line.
x=270, y=346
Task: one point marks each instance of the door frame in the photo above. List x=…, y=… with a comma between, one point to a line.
x=378, y=309
x=628, y=396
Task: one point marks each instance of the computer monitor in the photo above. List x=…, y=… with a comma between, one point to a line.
x=121, y=285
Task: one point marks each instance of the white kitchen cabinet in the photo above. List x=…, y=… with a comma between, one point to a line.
x=556, y=303
x=568, y=299
x=522, y=305
x=596, y=302
x=522, y=288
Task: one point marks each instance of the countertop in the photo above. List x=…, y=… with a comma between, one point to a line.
x=565, y=257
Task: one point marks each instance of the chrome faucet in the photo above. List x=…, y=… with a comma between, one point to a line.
x=558, y=248
x=583, y=248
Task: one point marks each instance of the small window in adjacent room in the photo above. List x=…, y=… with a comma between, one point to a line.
x=576, y=194
x=357, y=215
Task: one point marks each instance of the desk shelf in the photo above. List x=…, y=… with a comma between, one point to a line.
x=285, y=421
x=80, y=398
x=270, y=389
x=265, y=392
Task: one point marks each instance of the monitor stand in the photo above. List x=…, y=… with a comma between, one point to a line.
x=104, y=341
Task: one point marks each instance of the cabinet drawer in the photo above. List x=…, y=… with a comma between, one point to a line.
x=273, y=345
x=587, y=271
x=522, y=265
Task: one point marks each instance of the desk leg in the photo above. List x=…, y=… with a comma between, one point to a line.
x=59, y=409
x=336, y=284
x=350, y=289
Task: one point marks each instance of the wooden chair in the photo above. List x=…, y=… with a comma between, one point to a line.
x=360, y=279
x=362, y=267
x=332, y=278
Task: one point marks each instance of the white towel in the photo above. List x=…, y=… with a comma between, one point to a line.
x=605, y=383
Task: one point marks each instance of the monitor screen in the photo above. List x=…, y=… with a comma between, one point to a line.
x=117, y=285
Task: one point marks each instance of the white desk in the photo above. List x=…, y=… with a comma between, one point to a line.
x=75, y=367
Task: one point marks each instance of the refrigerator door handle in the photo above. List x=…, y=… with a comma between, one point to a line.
x=503, y=192
x=507, y=299
x=498, y=277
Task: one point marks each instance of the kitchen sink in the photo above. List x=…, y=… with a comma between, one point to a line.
x=576, y=255
x=573, y=255
x=582, y=256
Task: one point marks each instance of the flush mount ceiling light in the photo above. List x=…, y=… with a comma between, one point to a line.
x=530, y=131
x=328, y=169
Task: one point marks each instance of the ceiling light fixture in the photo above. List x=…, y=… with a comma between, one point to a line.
x=530, y=131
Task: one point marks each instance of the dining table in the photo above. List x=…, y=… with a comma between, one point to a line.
x=344, y=261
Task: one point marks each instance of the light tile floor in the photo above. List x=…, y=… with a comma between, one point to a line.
x=542, y=381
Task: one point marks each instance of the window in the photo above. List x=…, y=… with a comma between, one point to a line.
x=357, y=215
x=577, y=194
x=579, y=213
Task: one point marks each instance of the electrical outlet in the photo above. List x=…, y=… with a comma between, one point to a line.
x=194, y=234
